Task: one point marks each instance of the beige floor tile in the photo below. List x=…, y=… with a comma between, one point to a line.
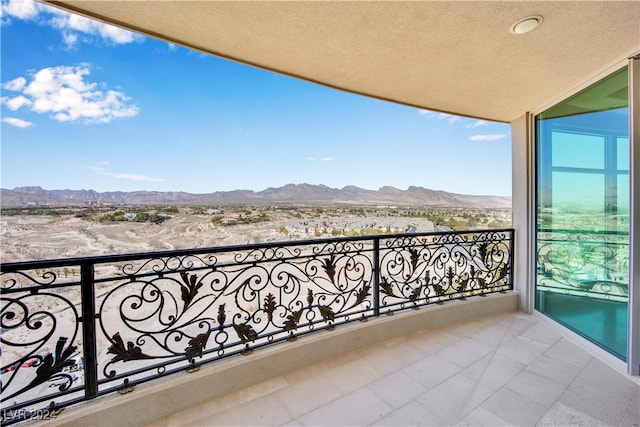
x=517, y=323
x=305, y=396
x=455, y=398
x=465, y=351
x=386, y=360
x=345, y=358
x=541, y=334
x=466, y=329
x=397, y=389
x=570, y=353
x=521, y=350
x=411, y=414
x=432, y=370
x=482, y=417
x=306, y=373
x=432, y=341
x=355, y=374
x=359, y=408
x=536, y=387
x=265, y=411
x=493, y=371
x=493, y=335
x=554, y=369
x=562, y=415
x=515, y=409
x=601, y=393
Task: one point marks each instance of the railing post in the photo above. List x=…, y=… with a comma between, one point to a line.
x=376, y=276
x=512, y=251
x=89, y=330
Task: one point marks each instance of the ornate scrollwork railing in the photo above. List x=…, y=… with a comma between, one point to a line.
x=582, y=262
x=75, y=329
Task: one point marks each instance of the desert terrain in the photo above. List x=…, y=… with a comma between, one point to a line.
x=28, y=236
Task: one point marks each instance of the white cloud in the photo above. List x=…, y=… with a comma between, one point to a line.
x=15, y=84
x=21, y=9
x=134, y=177
x=70, y=25
x=491, y=137
x=17, y=122
x=16, y=103
x=322, y=159
x=69, y=39
x=449, y=117
x=63, y=92
x=478, y=123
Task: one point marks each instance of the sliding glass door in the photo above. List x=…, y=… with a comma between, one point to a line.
x=583, y=212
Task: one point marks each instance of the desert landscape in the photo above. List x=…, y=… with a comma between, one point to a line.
x=38, y=234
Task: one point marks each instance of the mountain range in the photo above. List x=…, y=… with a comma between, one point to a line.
x=290, y=193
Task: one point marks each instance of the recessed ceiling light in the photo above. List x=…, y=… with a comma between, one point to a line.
x=526, y=24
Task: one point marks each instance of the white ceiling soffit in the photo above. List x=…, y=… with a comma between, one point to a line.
x=452, y=56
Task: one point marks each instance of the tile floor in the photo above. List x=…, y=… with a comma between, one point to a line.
x=506, y=370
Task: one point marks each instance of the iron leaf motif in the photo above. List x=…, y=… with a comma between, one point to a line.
x=190, y=288
x=483, y=248
x=326, y=312
x=415, y=255
x=270, y=306
x=439, y=289
x=463, y=284
x=125, y=353
x=292, y=321
x=361, y=294
x=386, y=287
x=450, y=276
x=196, y=346
x=329, y=267
x=245, y=332
x=52, y=365
x=415, y=295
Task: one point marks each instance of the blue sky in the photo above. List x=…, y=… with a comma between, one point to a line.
x=90, y=106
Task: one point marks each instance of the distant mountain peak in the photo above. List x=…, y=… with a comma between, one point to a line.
x=290, y=193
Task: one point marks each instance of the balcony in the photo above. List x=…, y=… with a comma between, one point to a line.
x=76, y=329
x=411, y=329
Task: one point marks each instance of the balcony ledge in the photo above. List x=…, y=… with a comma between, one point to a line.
x=153, y=401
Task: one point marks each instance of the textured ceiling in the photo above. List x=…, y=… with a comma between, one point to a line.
x=451, y=56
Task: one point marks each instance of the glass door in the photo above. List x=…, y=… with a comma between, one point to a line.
x=582, y=213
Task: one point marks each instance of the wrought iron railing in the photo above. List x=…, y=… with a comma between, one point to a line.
x=578, y=262
x=75, y=329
